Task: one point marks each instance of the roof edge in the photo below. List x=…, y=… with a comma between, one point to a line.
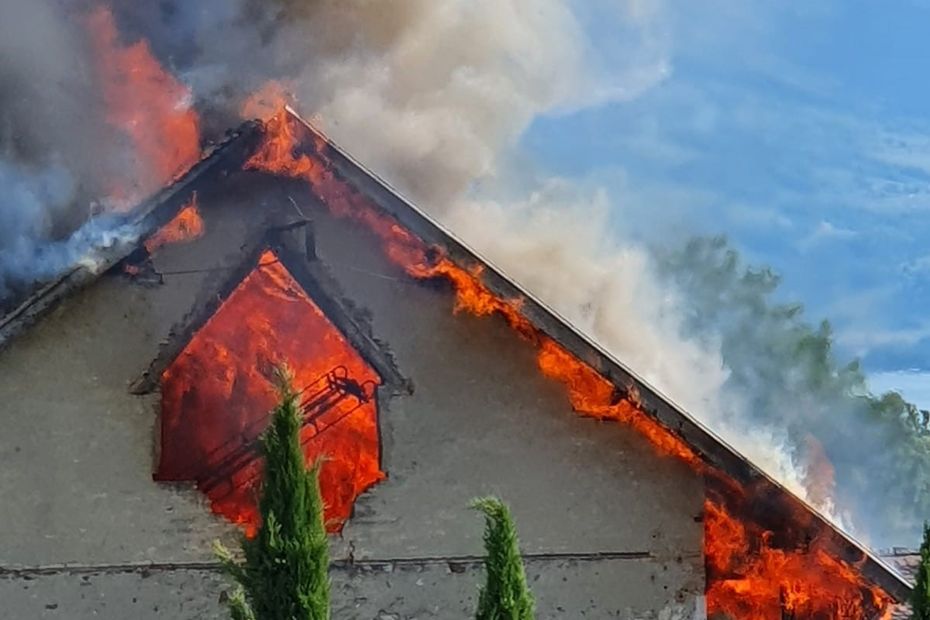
x=713, y=449
x=310, y=274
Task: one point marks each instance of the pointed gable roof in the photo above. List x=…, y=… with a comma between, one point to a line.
x=772, y=499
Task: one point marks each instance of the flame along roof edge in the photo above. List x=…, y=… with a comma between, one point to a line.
x=159, y=209
x=710, y=446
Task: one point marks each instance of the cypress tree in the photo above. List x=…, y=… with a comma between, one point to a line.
x=285, y=574
x=920, y=600
x=505, y=595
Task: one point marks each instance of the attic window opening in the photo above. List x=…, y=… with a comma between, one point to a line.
x=217, y=394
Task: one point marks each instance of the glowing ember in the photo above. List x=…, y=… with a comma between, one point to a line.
x=216, y=397
x=187, y=225
x=748, y=578
x=146, y=104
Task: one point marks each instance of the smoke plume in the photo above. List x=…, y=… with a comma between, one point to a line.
x=89, y=124
x=42, y=132
x=434, y=95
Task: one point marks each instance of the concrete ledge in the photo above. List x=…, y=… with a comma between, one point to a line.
x=565, y=588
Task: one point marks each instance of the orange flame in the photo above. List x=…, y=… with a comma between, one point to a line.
x=146, y=104
x=187, y=225
x=593, y=395
x=216, y=395
x=748, y=578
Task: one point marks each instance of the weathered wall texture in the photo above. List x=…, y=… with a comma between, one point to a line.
x=611, y=529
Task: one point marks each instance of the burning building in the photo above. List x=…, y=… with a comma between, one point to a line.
x=133, y=401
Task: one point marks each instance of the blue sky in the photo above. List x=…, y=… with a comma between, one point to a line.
x=802, y=131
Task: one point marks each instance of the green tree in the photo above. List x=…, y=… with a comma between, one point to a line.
x=285, y=572
x=506, y=595
x=920, y=598
x=785, y=372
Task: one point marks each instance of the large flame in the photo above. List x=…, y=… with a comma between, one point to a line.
x=217, y=394
x=748, y=577
x=146, y=104
x=187, y=225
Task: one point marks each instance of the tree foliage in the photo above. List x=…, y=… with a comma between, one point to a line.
x=505, y=595
x=786, y=372
x=920, y=598
x=285, y=573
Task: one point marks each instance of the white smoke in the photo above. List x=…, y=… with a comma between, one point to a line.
x=57, y=151
x=435, y=97
x=556, y=243
x=29, y=203
x=439, y=100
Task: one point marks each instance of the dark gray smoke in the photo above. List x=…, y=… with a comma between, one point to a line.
x=47, y=97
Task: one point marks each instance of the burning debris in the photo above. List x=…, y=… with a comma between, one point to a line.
x=217, y=392
x=186, y=225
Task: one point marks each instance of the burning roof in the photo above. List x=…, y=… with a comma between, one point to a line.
x=427, y=250
x=777, y=534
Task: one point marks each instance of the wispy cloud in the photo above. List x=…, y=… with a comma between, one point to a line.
x=825, y=232
x=916, y=267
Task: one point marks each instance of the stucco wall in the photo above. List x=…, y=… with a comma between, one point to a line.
x=76, y=456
